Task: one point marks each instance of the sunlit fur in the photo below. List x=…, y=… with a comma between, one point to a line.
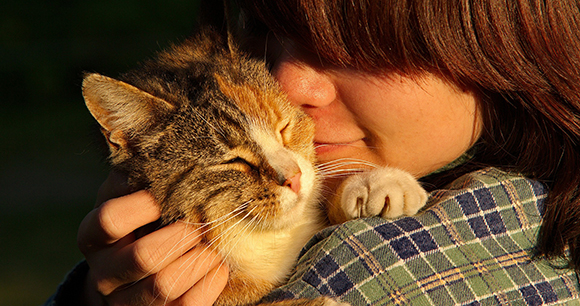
x=208, y=132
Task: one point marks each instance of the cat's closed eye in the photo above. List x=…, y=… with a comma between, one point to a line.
x=240, y=161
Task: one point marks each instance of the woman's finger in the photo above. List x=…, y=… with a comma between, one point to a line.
x=145, y=256
x=207, y=290
x=113, y=187
x=179, y=277
x=196, y=269
x=116, y=219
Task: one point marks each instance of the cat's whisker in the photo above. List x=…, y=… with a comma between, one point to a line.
x=346, y=159
x=266, y=52
x=249, y=222
x=341, y=170
x=345, y=145
x=236, y=211
x=171, y=252
x=229, y=216
x=252, y=222
x=343, y=167
x=242, y=231
x=338, y=174
x=218, y=129
x=224, y=232
x=352, y=169
x=345, y=162
x=211, y=243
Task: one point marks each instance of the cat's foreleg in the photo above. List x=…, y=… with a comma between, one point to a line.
x=386, y=192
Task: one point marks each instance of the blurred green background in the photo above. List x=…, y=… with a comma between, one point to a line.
x=51, y=164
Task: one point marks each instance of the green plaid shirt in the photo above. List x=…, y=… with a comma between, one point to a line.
x=472, y=247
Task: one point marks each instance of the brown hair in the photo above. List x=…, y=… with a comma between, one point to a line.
x=523, y=56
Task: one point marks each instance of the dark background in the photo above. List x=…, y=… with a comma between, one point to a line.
x=51, y=164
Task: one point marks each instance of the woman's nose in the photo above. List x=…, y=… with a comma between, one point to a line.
x=305, y=85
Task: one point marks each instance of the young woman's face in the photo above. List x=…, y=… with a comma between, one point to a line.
x=418, y=124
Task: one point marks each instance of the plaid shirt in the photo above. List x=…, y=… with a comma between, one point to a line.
x=472, y=247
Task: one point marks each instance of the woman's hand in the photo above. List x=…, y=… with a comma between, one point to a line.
x=166, y=267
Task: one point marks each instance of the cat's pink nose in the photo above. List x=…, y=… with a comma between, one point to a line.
x=293, y=182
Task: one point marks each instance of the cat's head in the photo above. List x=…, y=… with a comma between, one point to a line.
x=210, y=134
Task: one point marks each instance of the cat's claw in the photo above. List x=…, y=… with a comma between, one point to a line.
x=386, y=192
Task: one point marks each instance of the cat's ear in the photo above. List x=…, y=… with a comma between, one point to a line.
x=121, y=109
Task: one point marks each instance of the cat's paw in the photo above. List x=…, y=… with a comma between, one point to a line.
x=385, y=192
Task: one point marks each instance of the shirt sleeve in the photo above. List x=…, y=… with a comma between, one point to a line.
x=473, y=246
x=69, y=291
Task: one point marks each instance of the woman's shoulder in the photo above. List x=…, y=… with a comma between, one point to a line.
x=501, y=187
x=491, y=201
x=474, y=243
x=479, y=204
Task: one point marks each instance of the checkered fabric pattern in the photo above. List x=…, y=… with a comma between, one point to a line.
x=472, y=247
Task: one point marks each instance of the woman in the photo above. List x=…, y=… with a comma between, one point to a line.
x=481, y=99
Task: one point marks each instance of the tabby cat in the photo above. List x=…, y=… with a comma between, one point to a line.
x=208, y=132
